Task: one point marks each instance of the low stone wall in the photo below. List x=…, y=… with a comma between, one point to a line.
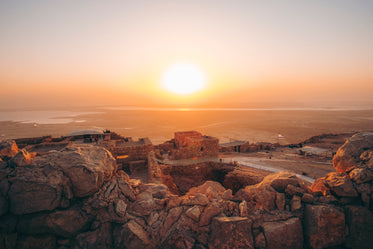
x=201, y=147
x=23, y=142
x=137, y=152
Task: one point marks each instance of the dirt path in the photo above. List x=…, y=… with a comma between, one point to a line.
x=263, y=165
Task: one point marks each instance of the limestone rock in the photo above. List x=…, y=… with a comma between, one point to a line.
x=22, y=158
x=231, y=232
x=295, y=203
x=99, y=238
x=37, y=188
x=280, y=201
x=120, y=208
x=131, y=236
x=243, y=209
x=242, y=195
x=210, y=188
x=307, y=198
x=197, y=199
x=360, y=222
x=87, y=167
x=209, y=212
x=361, y=175
x=144, y=204
x=65, y=223
x=292, y=190
x=279, y=181
x=178, y=239
x=349, y=155
x=174, y=201
x=319, y=186
x=284, y=234
x=324, y=226
x=194, y=213
x=328, y=199
x=263, y=196
x=158, y=191
x=227, y=195
x=8, y=149
x=172, y=217
x=340, y=185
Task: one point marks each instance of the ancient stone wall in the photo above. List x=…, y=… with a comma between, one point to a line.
x=23, y=142
x=247, y=147
x=197, y=147
x=182, y=138
x=135, y=150
x=154, y=170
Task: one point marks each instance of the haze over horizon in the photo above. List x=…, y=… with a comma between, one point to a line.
x=67, y=53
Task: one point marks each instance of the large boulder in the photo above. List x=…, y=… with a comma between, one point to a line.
x=263, y=197
x=87, y=167
x=64, y=223
x=22, y=158
x=284, y=234
x=210, y=188
x=355, y=153
x=55, y=177
x=340, y=185
x=144, y=204
x=231, y=232
x=324, y=226
x=8, y=149
x=279, y=181
x=361, y=175
x=37, y=188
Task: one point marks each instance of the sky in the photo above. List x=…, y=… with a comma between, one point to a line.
x=66, y=53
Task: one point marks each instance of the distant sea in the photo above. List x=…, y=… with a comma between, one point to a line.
x=228, y=124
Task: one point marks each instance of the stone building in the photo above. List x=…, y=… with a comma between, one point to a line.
x=130, y=155
x=192, y=144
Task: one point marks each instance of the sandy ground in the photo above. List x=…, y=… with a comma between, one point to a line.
x=284, y=159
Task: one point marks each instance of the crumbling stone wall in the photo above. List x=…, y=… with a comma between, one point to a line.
x=135, y=150
x=182, y=138
x=192, y=144
x=23, y=142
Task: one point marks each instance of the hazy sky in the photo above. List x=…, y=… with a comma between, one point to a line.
x=115, y=52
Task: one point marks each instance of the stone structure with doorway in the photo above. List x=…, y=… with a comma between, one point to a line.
x=192, y=144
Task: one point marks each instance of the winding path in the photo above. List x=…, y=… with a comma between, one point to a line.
x=248, y=162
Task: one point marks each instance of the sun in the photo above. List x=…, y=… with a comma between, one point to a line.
x=183, y=78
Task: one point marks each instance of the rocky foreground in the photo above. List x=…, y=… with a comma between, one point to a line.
x=75, y=197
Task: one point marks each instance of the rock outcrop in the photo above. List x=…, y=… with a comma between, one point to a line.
x=75, y=197
x=355, y=153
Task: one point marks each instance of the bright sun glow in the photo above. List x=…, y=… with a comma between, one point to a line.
x=183, y=78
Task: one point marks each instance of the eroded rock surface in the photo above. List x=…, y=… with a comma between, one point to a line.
x=75, y=197
x=355, y=153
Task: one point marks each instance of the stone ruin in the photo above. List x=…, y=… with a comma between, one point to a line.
x=246, y=146
x=74, y=196
x=192, y=144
